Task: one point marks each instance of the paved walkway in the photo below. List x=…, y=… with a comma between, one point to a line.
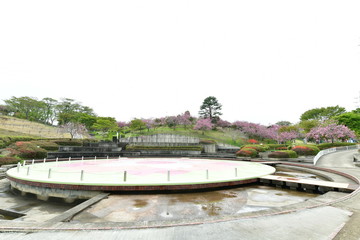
x=335, y=221
x=343, y=161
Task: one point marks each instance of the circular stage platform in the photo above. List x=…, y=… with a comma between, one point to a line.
x=137, y=174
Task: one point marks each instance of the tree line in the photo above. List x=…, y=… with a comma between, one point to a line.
x=317, y=124
x=67, y=113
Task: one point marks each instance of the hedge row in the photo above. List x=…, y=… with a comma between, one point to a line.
x=27, y=150
x=323, y=146
x=35, y=149
x=247, y=152
x=279, y=150
x=8, y=160
x=259, y=148
x=7, y=140
x=306, y=150
x=277, y=146
x=283, y=154
x=166, y=148
x=47, y=145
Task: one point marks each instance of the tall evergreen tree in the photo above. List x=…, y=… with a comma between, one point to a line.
x=210, y=108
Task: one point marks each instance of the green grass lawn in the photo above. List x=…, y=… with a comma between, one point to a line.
x=8, y=133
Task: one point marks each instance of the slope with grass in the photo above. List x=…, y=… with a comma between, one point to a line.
x=229, y=137
x=10, y=126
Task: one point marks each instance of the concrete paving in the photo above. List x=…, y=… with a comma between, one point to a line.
x=299, y=225
x=315, y=219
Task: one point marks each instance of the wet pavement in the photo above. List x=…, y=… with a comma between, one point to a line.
x=160, y=206
x=286, y=172
x=180, y=206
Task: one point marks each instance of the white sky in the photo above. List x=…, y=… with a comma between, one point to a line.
x=265, y=61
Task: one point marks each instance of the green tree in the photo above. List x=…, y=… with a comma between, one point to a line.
x=350, y=120
x=86, y=119
x=105, y=124
x=307, y=125
x=137, y=125
x=49, y=110
x=68, y=111
x=4, y=110
x=322, y=114
x=210, y=108
x=26, y=108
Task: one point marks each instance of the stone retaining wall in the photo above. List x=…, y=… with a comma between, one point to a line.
x=161, y=140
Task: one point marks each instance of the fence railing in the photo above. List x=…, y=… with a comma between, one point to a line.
x=331, y=150
x=55, y=171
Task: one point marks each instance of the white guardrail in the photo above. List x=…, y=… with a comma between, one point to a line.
x=331, y=150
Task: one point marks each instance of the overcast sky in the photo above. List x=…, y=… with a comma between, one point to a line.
x=264, y=60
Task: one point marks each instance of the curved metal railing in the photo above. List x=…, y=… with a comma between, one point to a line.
x=331, y=150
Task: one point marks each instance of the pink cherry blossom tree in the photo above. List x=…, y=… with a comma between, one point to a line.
x=184, y=119
x=149, y=123
x=254, y=130
x=330, y=132
x=203, y=124
x=122, y=124
x=76, y=130
x=171, y=122
x=223, y=123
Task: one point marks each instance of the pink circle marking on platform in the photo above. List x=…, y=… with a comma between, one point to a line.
x=146, y=167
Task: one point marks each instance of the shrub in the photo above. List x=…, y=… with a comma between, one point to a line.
x=281, y=148
x=283, y=154
x=305, y=150
x=277, y=146
x=323, y=146
x=252, y=141
x=47, y=145
x=69, y=142
x=8, y=140
x=8, y=160
x=247, y=152
x=2, y=144
x=27, y=150
x=258, y=148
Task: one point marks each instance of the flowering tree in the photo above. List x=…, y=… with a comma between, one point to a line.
x=122, y=124
x=149, y=123
x=158, y=122
x=285, y=133
x=331, y=132
x=184, y=119
x=203, y=124
x=76, y=130
x=223, y=123
x=275, y=132
x=172, y=122
x=254, y=130
x=287, y=136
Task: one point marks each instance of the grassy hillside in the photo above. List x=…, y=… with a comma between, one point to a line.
x=10, y=126
x=232, y=137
